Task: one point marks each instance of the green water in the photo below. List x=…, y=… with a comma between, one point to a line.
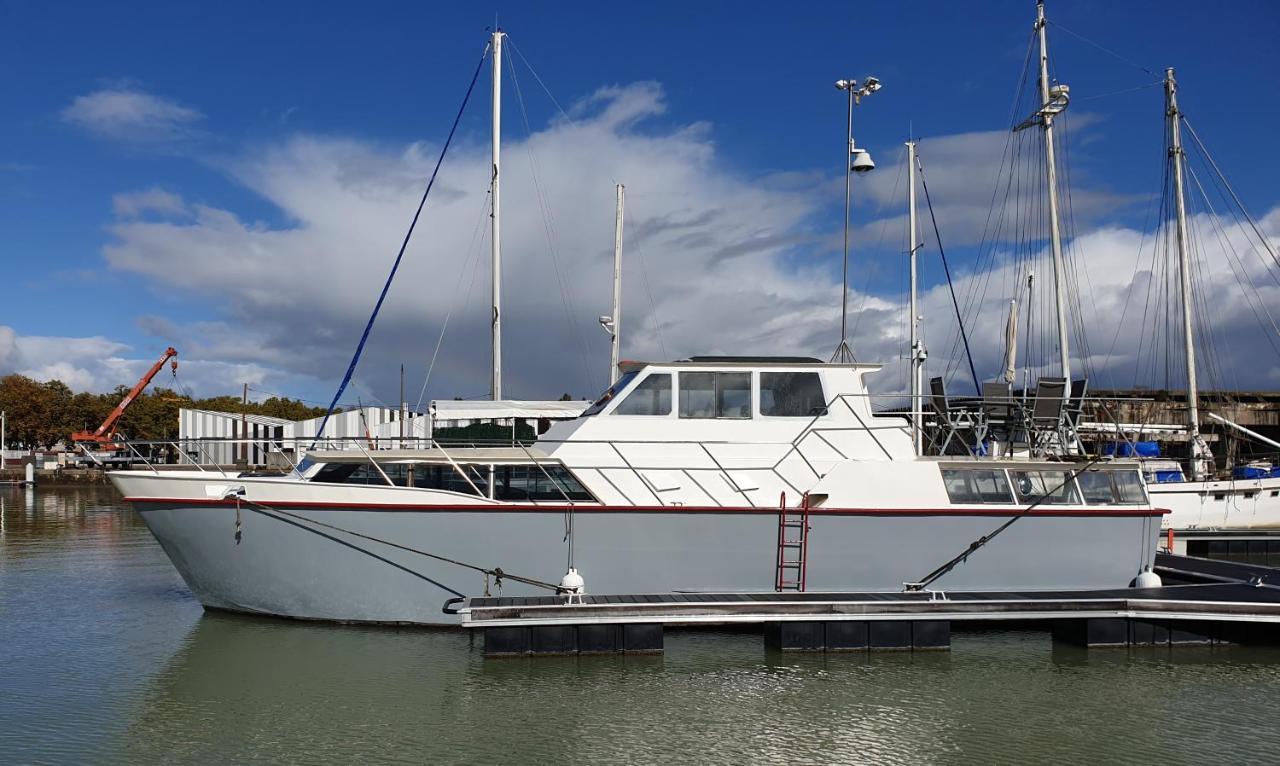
x=105, y=657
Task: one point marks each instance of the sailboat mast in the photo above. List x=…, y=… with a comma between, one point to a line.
x=1055, y=236
x=1184, y=269
x=616, y=340
x=916, y=351
x=495, y=237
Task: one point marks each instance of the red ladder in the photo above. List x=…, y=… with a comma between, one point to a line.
x=793, y=545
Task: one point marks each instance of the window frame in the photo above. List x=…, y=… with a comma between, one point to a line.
x=753, y=394
x=1010, y=497
x=759, y=394
x=617, y=401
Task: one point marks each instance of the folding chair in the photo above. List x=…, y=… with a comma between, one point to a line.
x=998, y=418
x=1073, y=414
x=1047, y=413
x=951, y=422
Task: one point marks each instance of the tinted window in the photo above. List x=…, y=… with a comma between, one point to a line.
x=651, y=397
x=977, y=486
x=733, y=394
x=697, y=394
x=448, y=478
x=1096, y=487
x=425, y=476
x=613, y=391
x=715, y=394
x=1052, y=487
x=791, y=394
x=1129, y=487
x=530, y=482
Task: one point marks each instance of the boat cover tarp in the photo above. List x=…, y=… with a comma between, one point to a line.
x=447, y=409
x=1136, y=449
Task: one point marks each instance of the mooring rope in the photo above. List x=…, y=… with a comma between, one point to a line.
x=496, y=572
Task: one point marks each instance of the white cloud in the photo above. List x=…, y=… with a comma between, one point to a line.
x=733, y=264
x=129, y=115
x=154, y=200
x=100, y=365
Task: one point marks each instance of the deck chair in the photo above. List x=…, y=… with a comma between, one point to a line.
x=998, y=413
x=1073, y=414
x=953, y=424
x=1047, y=413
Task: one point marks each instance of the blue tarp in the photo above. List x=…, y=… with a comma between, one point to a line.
x=1136, y=449
x=1251, y=472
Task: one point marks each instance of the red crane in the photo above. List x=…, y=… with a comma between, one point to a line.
x=105, y=436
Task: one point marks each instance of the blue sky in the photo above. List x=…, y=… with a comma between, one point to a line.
x=228, y=92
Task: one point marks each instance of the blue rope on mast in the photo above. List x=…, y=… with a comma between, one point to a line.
x=950, y=286
x=355, y=359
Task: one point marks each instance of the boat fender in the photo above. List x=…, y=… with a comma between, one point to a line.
x=572, y=585
x=1147, y=579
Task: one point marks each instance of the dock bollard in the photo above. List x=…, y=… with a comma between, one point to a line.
x=31, y=473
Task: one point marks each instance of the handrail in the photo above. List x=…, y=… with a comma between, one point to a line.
x=461, y=472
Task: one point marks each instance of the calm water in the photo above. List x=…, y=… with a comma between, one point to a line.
x=105, y=657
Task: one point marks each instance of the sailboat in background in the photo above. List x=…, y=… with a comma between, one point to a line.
x=1250, y=498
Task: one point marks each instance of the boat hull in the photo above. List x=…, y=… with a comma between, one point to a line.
x=257, y=560
x=1231, y=504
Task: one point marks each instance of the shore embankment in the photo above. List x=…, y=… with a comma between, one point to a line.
x=61, y=477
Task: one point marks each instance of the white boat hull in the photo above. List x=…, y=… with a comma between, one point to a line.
x=1232, y=504
x=285, y=566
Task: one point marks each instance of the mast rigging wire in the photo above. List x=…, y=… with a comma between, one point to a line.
x=947, y=269
x=386, y=287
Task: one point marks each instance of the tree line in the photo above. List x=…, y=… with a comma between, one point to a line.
x=40, y=414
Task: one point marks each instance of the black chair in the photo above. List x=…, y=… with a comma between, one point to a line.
x=998, y=413
x=1047, y=413
x=953, y=424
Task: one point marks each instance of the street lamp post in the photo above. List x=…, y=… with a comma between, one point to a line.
x=855, y=161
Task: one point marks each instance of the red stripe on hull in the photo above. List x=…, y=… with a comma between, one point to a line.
x=681, y=509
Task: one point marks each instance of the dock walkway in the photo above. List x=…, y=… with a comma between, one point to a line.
x=1230, y=603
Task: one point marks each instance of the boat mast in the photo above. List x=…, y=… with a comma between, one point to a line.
x=917, y=348
x=495, y=237
x=1184, y=270
x=1054, y=101
x=616, y=317
x=843, y=353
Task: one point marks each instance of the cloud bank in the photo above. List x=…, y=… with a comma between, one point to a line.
x=716, y=261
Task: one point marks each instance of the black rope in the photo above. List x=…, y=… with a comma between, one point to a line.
x=977, y=387
x=364, y=338
x=495, y=572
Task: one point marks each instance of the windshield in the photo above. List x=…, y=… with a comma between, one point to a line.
x=613, y=391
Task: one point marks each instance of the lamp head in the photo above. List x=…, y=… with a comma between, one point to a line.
x=861, y=161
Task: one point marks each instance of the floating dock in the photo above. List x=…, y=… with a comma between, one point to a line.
x=1220, y=602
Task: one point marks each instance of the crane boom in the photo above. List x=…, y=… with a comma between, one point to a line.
x=107, y=431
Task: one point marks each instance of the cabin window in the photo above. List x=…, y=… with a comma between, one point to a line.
x=425, y=476
x=446, y=477
x=791, y=394
x=651, y=397
x=977, y=486
x=533, y=483
x=1129, y=487
x=1096, y=487
x=1048, y=487
x=715, y=394
x=614, y=390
